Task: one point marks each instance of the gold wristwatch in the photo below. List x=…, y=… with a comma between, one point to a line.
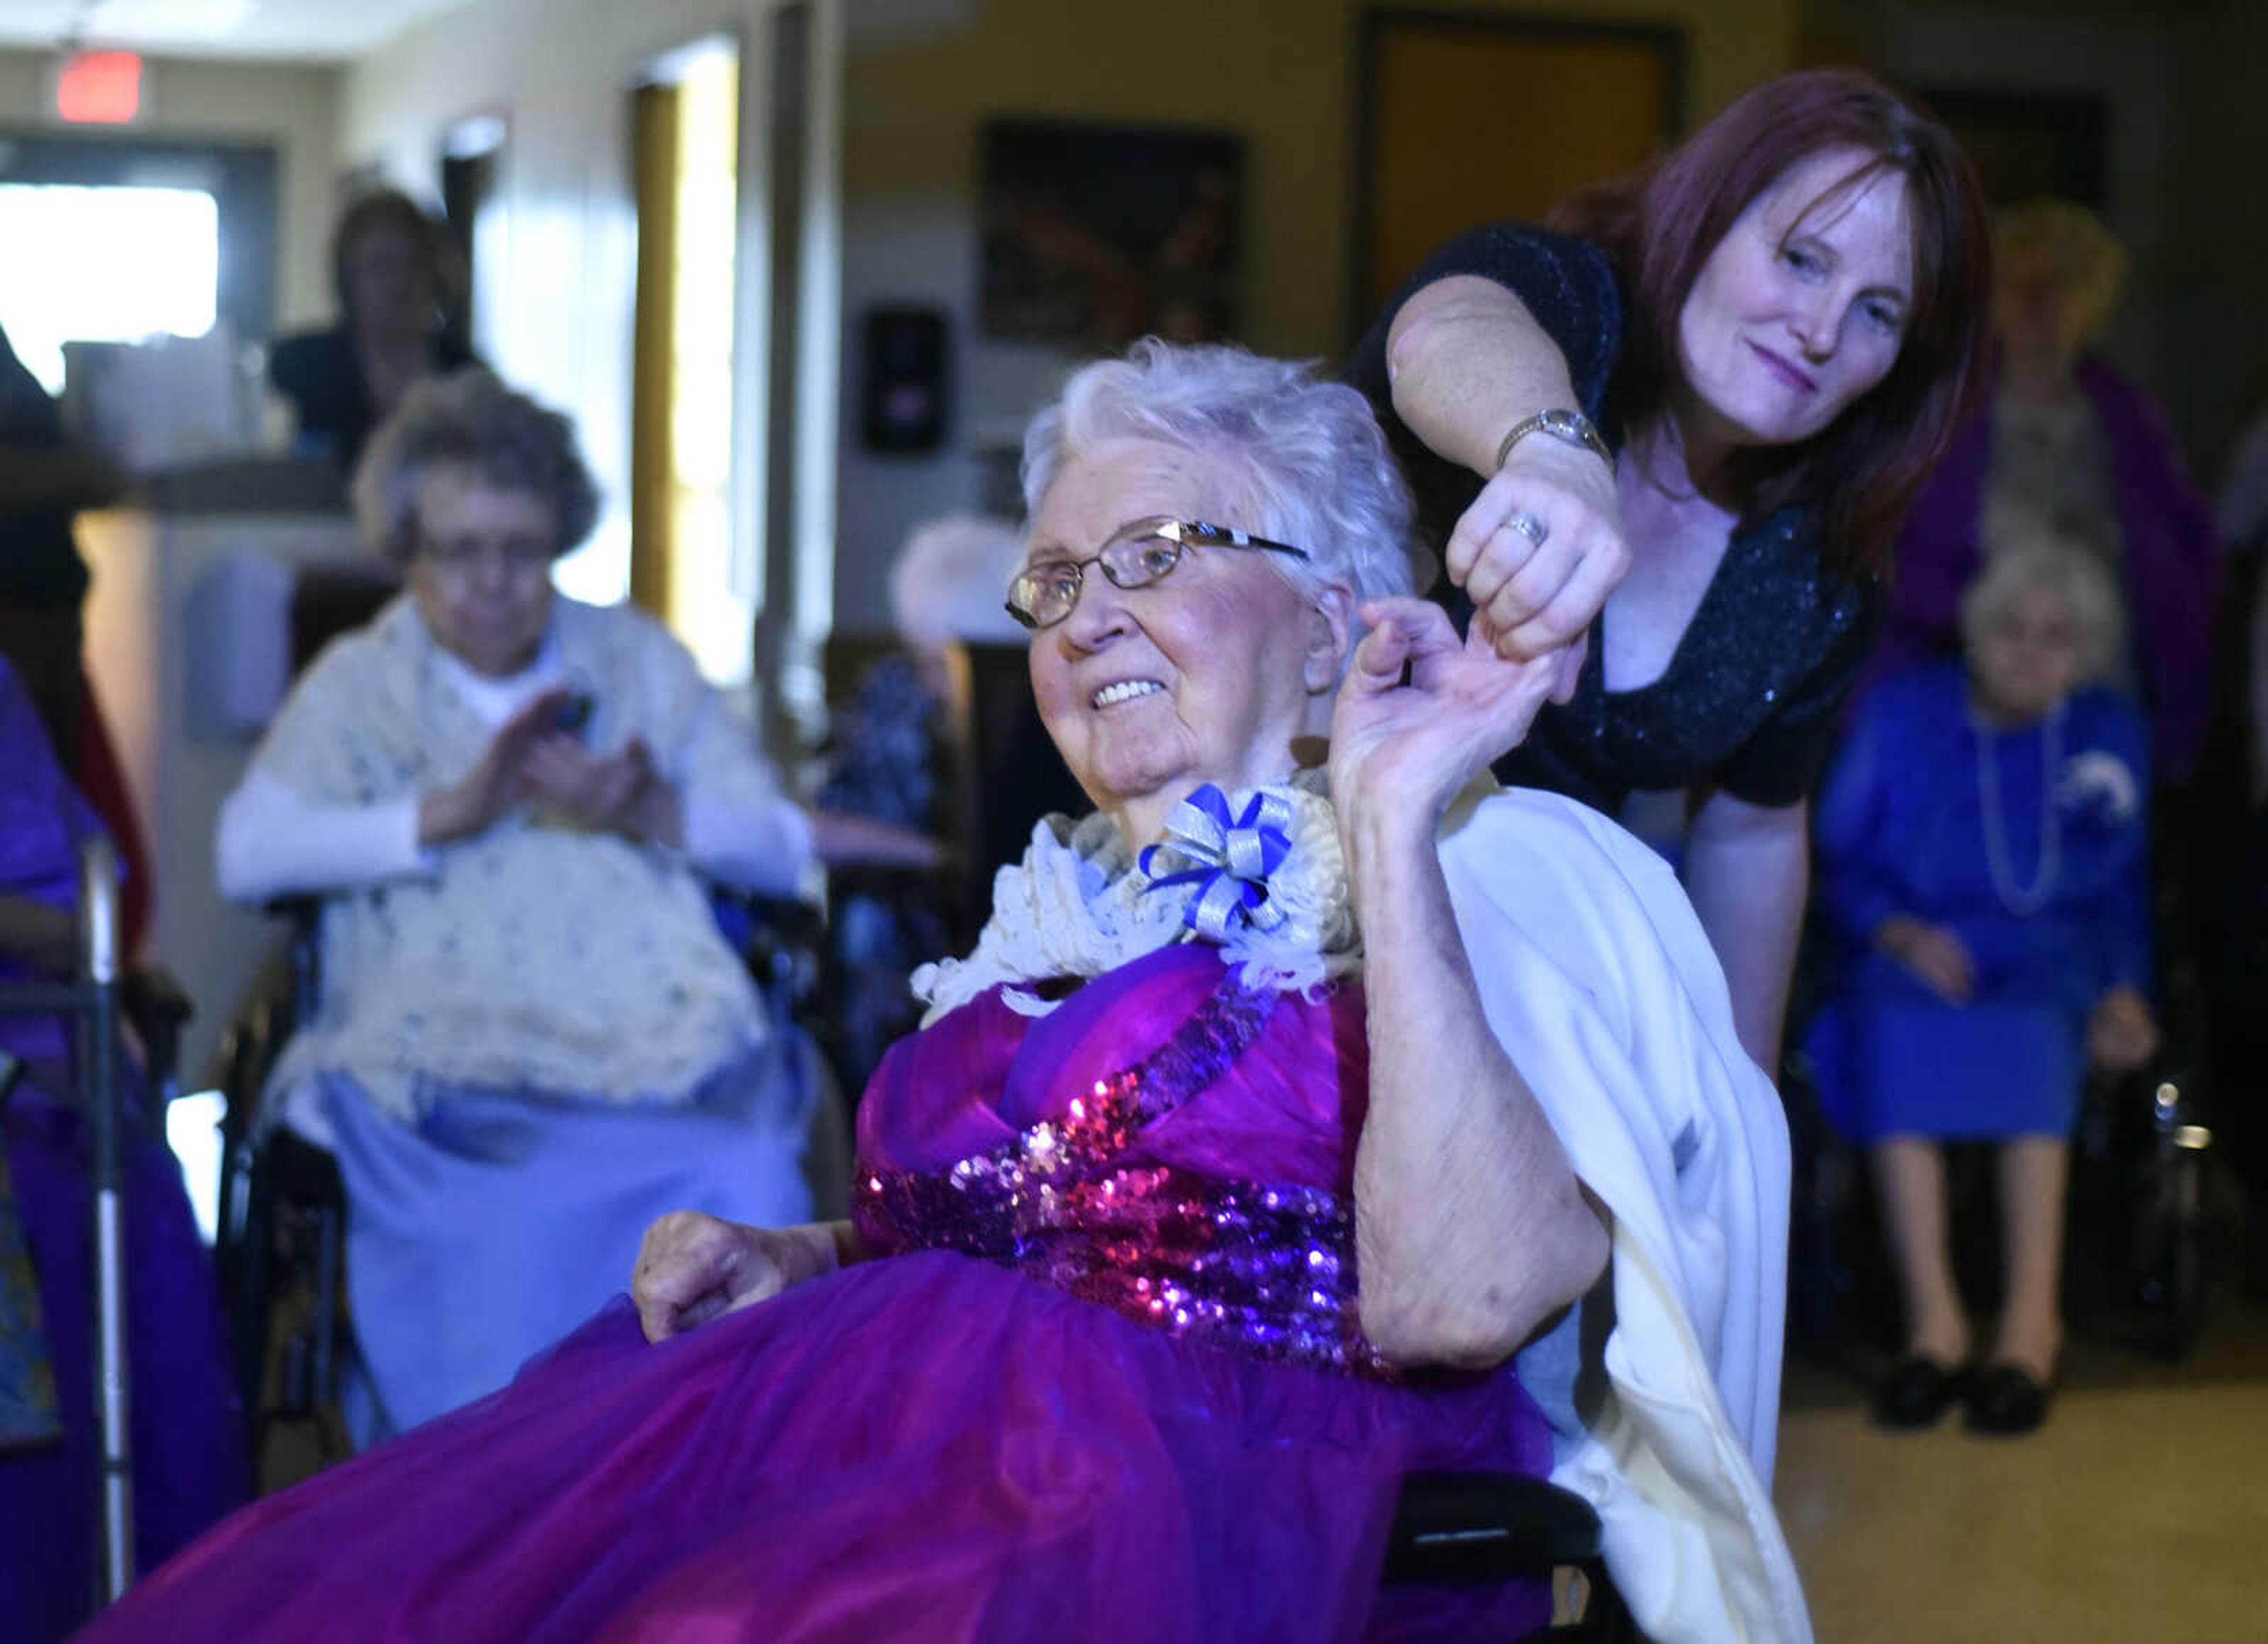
x=1572, y=426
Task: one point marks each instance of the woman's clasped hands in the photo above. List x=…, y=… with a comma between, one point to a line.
x=531, y=761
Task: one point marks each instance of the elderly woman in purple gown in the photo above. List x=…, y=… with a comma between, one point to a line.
x=1303, y=1117
x=187, y=1444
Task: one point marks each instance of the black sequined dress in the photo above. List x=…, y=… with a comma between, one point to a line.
x=1749, y=701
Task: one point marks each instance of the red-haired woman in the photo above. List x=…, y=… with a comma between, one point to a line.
x=1776, y=327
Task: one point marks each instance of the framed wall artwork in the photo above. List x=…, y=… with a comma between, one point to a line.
x=1095, y=235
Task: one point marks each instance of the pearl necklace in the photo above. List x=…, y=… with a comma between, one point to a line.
x=2022, y=900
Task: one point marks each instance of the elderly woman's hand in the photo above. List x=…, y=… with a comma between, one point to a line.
x=2122, y=1034
x=620, y=793
x=1538, y=585
x=498, y=782
x=1937, y=956
x=692, y=1268
x=1401, y=748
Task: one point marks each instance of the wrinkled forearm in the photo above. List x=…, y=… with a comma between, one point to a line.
x=1471, y=1231
x=821, y=1247
x=844, y=840
x=1467, y=361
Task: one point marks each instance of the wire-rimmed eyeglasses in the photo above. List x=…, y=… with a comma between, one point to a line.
x=1135, y=555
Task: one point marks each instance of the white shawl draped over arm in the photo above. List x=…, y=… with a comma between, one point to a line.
x=1600, y=984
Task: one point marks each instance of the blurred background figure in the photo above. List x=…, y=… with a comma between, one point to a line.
x=1982, y=843
x=898, y=755
x=391, y=269
x=532, y=1038
x=47, y=478
x=2070, y=447
x=950, y=586
x=187, y=1444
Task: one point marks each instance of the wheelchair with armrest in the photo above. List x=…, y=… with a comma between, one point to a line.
x=282, y=1247
x=2136, y=1240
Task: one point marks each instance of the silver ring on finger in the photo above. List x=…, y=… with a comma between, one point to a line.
x=1530, y=526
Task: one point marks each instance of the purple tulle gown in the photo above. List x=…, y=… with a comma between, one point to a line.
x=1106, y=1382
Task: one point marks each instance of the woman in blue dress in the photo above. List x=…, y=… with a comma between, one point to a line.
x=1982, y=840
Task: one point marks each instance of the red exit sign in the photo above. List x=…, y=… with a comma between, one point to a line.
x=99, y=88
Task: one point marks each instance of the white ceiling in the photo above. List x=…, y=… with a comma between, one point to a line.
x=294, y=29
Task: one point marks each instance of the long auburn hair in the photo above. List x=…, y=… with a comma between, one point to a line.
x=1661, y=221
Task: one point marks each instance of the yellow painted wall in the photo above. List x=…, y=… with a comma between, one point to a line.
x=1280, y=72
x=923, y=76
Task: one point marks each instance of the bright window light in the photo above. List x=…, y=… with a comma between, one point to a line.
x=707, y=609
x=104, y=265
x=193, y=1131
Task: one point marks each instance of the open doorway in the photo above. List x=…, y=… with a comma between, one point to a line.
x=685, y=124
x=133, y=238
x=472, y=157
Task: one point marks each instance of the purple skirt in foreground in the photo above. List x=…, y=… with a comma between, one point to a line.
x=926, y=1446
x=1131, y=1403
x=190, y=1462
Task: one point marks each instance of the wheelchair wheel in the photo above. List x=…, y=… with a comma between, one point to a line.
x=2184, y=1251
x=2171, y=1270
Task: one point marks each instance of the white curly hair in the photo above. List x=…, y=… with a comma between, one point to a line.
x=1311, y=460
x=948, y=581
x=2052, y=563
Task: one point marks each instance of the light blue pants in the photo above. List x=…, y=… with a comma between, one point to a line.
x=501, y=1222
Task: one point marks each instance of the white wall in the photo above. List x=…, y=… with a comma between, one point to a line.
x=557, y=319
x=294, y=107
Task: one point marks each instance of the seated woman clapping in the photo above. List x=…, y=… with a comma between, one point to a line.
x=1284, y=1101
x=532, y=1038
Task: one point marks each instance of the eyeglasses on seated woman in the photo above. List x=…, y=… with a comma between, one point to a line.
x=1137, y=553
x=1303, y=1118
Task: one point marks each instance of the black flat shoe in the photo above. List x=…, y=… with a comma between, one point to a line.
x=1917, y=1391
x=2006, y=1402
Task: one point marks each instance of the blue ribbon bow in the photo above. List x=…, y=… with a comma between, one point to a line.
x=1233, y=859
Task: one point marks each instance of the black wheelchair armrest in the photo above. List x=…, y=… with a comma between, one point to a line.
x=305, y=915
x=301, y=913
x=304, y=1174
x=780, y=939
x=159, y=1007
x=156, y=1000
x=1472, y=1528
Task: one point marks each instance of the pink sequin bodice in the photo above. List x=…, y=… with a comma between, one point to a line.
x=1169, y=1144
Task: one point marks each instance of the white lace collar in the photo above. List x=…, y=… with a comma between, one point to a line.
x=1080, y=904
